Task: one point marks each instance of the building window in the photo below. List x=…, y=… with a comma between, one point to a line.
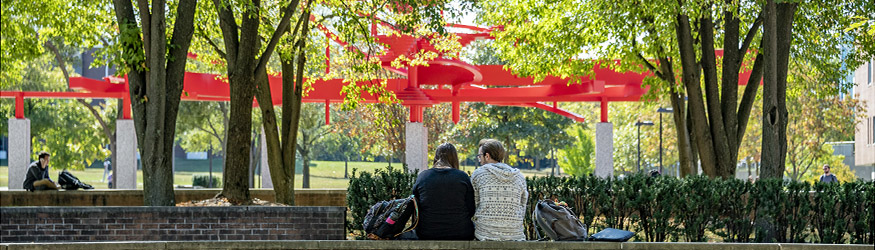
x=870, y=130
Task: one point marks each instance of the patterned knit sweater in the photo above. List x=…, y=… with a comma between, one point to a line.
x=500, y=196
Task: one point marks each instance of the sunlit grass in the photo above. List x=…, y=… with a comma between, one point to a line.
x=323, y=174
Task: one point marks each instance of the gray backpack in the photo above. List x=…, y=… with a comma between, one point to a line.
x=558, y=222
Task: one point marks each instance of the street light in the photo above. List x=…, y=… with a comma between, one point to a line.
x=639, y=124
x=660, y=111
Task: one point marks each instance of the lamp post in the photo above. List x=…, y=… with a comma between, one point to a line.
x=639, y=124
x=660, y=111
x=210, y=157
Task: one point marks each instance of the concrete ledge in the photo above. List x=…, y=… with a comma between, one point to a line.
x=698, y=245
x=425, y=245
x=796, y=246
x=128, y=197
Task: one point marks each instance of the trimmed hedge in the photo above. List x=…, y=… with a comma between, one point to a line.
x=694, y=209
x=203, y=180
x=366, y=189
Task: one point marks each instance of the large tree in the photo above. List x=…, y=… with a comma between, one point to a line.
x=823, y=116
x=155, y=67
x=677, y=42
x=310, y=130
x=246, y=63
x=61, y=29
x=62, y=127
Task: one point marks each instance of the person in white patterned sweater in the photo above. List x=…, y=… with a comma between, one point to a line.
x=500, y=196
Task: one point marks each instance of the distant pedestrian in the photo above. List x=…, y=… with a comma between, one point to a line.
x=828, y=177
x=107, y=167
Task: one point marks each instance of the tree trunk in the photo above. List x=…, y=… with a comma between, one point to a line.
x=552, y=164
x=694, y=149
x=685, y=159
x=245, y=72
x=346, y=167
x=235, y=186
x=724, y=166
x=777, y=31
x=304, y=149
x=691, y=73
x=281, y=148
x=254, y=157
x=306, y=180
x=720, y=121
x=155, y=93
x=537, y=165
x=777, y=39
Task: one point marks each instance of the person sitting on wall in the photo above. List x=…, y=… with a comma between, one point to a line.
x=38, y=175
x=500, y=196
x=446, y=199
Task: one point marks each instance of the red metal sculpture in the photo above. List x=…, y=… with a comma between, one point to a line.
x=449, y=80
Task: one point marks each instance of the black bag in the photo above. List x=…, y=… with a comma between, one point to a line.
x=386, y=220
x=558, y=222
x=612, y=234
x=70, y=182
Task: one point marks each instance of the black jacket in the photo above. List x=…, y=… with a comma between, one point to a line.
x=446, y=205
x=34, y=173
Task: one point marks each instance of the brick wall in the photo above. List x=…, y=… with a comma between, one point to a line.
x=303, y=197
x=53, y=224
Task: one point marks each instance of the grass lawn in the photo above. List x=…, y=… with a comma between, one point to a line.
x=323, y=174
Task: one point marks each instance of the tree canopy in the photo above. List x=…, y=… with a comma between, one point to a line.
x=678, y=43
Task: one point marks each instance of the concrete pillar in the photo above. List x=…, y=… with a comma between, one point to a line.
x=126, y=167
x=417, y=146
x=265, y=169
x=19, y=151
x=604, y=149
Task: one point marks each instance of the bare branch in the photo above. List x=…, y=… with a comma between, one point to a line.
x=749, y=37
x=145, y=21
x=651, y=67
x=747, y=100
x=229, y=31
x=63, y=66
x=280, y=30
x=200, y=33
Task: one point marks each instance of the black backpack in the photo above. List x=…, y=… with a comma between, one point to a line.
x=70, y=182
x=558, y=222
x=386, y=220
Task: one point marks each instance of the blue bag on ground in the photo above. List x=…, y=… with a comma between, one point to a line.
x=612, y=234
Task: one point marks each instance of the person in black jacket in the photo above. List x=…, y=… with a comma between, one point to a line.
x=446, y=199
x=38, y=175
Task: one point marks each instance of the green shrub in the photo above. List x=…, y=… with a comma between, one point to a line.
x=366, y=189
x=204, y=181
x=664, y=208
x=737, y=210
